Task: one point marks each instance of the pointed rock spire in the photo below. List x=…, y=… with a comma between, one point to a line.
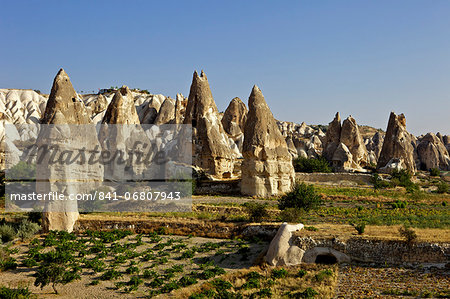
x=211, y=150
x=267, y=167
x=121, y=110
x=397, y=150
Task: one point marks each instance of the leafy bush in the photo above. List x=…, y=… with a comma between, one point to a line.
x=111, y=274
x=170, y=286
x=442, y=187
x=263, y=293
x=256, y=211
x=149, y=274
x=17, y=293
x=221, y=285
x=302, y=196
x=360, y=227
x=403, y=178
x=408, y=234
x=49, y=274
x=301, y=273
x=378, y=182
x=307, y=293
x=6, y=261
x=399, y=204
x=188, y=254
x=323, y=274
x=187, y=281
x=7, y=233
x=27, y=229
x=279, y=273
x=311, y=165
x=290, y=215
x=435, y=172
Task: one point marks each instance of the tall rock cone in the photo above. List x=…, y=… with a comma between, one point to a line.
x=397, y=151
x=351, y=137
x=63, y=99
x=332, y=137
x=211, y=150
x=119, y=133
x=121, y=110
x=233, y=121
x=267, y=167
x=70, y=130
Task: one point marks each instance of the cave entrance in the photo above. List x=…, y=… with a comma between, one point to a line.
x=327, y=259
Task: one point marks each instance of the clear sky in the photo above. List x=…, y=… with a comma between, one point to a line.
x=310, y=58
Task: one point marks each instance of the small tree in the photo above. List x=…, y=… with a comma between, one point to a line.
x=49, y=274
x=302, y=196
x=408, y=233
x=256, y=211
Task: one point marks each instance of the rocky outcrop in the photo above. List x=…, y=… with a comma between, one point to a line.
x=332, y=137
x=374, y=145
x=282, y=251
x=211, y=150
x=351, y=137
x=148, y=110
x=120, y=133
x=432, y=153
x=121, y=110
x=234, y=119
x=397, y=151
x=180, y=108
x=166, y=114
x=344, y=145
x=267, y=167
x=65, y=108
x=97, y=104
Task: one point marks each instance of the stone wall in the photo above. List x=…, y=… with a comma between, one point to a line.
x=381, y=251
x=334, y=178
x=223, y=187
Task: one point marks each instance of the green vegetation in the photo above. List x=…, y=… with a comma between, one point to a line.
x=15, y=293
x=312, y=165
x=256, y=211
x=435, y=172
x=302, y=197
x=408, y=234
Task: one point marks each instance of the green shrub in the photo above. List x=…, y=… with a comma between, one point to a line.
x=221, y=285
x=156, y=282
x=279, y=273
x=170, y=286
x=111, y=274
x=49, y=274
x=408, y=234
x=187, y=281
x=302, y=196
x=149, y=274
x=378, y=182
x=323, y=274
x=7, y=233
x=442, y=188
x=403, y=178
x=301, y=273
x=17, y=293
x=311, y=165
x=263, y=293
x=291, y=215
x=187, y=254
x=360, y=227
x=307, y=293
x=27, y=229
x=435, y=172
x=311, y=228
x=399, y=204
x=256, y=211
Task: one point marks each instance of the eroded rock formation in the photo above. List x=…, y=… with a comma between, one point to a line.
x=65, y=108
x=432, y=153
x=397, y=151
x=211, y=150
x=234, y=119
x=267, y=167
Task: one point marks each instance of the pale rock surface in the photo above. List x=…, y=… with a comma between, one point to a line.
x=65, y=107
x=397, y=146
x=281, y=250
x=233, y=121
x=332, y=137
x=267, y=167
x=166, y=114
x=432, y=153
x=211, y=150
x=121, y=132
x=351, y=137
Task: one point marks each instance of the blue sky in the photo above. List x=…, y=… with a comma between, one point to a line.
x=310, y=58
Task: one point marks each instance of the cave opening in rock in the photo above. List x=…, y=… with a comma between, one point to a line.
x=326, y=259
